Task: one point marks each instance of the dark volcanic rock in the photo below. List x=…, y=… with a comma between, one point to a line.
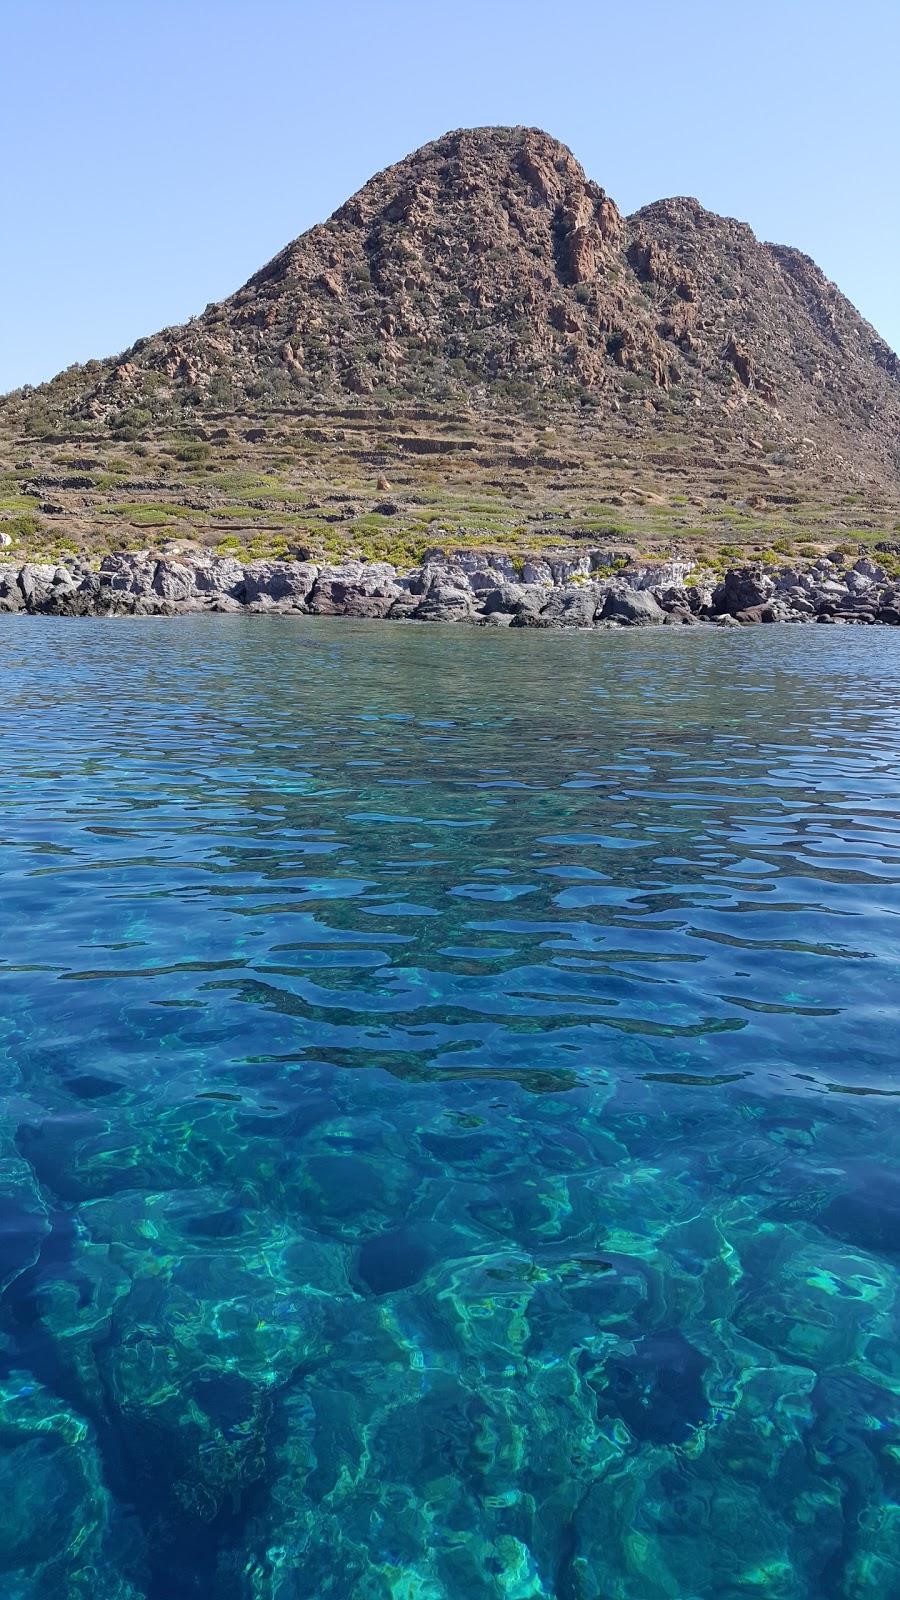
x=633, y=608
x=173, y=580
x=275, y=580
x=572, y=607
x=447, y=588
x=507, y=597
x=740, y=591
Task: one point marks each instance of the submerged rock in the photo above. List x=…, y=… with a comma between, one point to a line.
x=656, y=1388
x=62, y=1535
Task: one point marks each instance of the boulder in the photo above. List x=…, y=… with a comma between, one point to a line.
x=564, y=568
x=741, y=589
x=507, y=597
x=127, y=574
x=531, y=616
x=796, y=600
x=537, y=571
x=11, y=596
x=446, y=602
x=405, y=606
x=632, y=608
x=155, y=605
x=699, y=598
x=672, y=598
x=528, y=612
x=481, y=569
x=485, y=578
x=658, y=575
x=355, y=588
x=290, y=581
x=68, y=601
x=453, y=575
x=222, y=576
x=788, y=580
x=445, y=590
x=865, y=568
x=35, y=583
x=174, y=580
x=574, y=606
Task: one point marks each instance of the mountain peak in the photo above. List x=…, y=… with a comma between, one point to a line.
x=487, y=266
x=484, y=154
x=476, y=169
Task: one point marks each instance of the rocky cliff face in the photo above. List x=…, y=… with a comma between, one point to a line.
x=766, y=320
x=485, y=587
x=487, y=266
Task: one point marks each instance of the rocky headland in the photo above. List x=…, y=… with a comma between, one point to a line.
x=486, y=589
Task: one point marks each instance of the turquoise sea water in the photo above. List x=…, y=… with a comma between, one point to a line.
x=449, y=1137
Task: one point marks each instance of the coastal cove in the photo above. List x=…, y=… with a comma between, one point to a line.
x=448, y=1089
x=556, y=590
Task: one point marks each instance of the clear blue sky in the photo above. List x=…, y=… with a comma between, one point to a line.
x=156, y=152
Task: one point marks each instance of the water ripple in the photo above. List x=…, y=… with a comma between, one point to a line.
x=448, y=1139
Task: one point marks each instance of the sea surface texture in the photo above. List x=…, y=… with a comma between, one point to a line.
x=449, y=1143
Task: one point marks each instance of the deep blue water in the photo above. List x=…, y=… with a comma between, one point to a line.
x=449, y=1137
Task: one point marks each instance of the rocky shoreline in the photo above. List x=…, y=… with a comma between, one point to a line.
x=482, y=588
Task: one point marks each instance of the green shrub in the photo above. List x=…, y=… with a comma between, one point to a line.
x=22, y=526
x=194, y=451
x=39, y=420
x=132, y=423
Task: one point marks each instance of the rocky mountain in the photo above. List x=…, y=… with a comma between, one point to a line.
x=487, y=269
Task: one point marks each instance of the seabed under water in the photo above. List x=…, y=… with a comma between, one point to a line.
x=448, y=1136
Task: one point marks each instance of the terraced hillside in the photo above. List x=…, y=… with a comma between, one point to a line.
x=389, y=483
